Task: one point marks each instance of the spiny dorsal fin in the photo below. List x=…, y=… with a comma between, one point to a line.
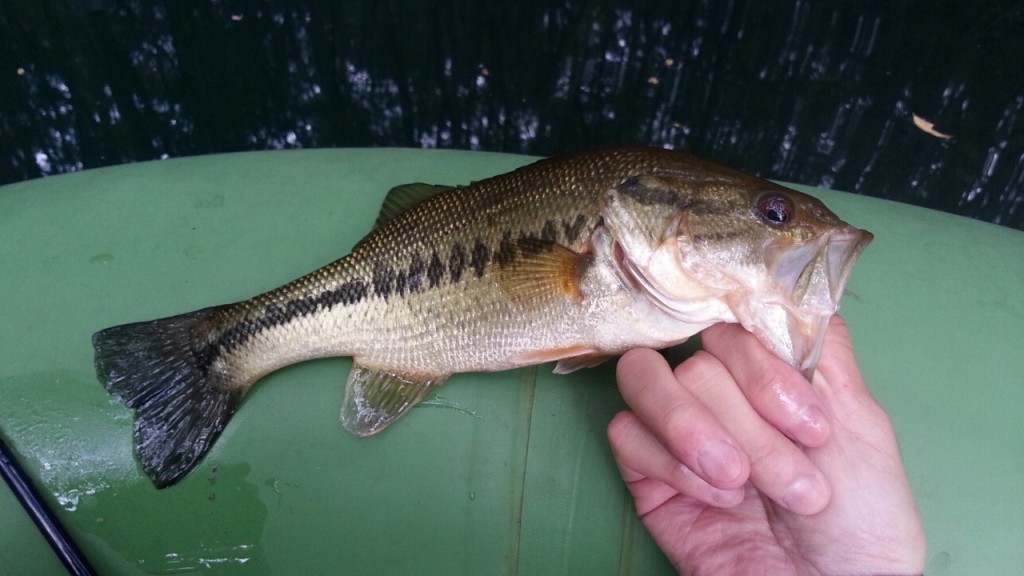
x=376, y=398
x=405, y=196
x=543, y=271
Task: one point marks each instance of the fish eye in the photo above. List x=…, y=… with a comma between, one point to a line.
x=774, y=208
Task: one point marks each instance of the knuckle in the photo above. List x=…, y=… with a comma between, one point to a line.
x=677, y=422
x=701, y=367
x=763, y=455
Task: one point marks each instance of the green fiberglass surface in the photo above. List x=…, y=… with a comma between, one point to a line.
x=505, y=473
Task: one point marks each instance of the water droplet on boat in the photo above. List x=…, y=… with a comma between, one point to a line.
x=104, y=258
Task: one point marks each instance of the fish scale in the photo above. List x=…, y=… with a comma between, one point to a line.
x=570, y=259
x=399, y=269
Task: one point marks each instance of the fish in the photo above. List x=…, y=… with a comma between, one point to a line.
x=573, y=259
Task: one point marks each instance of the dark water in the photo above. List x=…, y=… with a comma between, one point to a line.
x=822, y=93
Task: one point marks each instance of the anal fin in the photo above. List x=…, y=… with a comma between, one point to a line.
x=375, y=398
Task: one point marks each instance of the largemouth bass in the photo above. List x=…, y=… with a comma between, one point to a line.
x=571, y=259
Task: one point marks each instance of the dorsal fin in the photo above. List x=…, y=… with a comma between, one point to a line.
x=400, y=198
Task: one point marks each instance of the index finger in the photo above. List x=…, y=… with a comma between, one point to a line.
x=682, y=424
x=776, y=390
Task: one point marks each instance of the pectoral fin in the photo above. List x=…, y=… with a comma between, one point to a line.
x=375, y=398
x=540, y=271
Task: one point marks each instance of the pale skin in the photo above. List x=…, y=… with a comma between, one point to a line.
x=737, y=465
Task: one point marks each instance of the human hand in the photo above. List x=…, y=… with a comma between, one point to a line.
x=738, y=465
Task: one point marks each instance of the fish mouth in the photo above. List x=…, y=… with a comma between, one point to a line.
x=810, y=278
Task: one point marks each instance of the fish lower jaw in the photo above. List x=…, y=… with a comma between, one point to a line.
x=795, y=335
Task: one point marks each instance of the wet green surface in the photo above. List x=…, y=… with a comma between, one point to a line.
x=24, y=551
x=526, y=483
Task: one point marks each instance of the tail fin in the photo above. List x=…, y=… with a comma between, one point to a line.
x=159, y=369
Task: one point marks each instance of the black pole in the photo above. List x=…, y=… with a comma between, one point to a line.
x=41, y=514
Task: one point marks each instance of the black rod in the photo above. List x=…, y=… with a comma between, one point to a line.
x=41, y=514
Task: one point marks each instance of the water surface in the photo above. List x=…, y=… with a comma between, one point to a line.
x=915, y=101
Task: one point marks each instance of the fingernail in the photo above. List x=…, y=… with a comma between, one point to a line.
x=720, y=462
x=805, y=496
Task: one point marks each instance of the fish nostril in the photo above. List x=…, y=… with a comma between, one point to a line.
x=824, y=215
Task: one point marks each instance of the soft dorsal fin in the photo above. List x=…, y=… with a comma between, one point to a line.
x=405, y=196
x=375, y=398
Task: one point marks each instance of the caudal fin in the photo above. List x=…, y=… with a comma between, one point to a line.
x=160, y=369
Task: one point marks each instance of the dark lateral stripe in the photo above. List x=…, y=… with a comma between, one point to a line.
x=401, y=282
x=549, y=233
x=457, y=262
x=481, y=257
x=386, y=280
x=573, y=229
x=435, y=271
x=415, y=273
x=383, y=279
x=706, y=237
x=530, y=246
x=349, y=293
x=648, y=192
x=506, y=252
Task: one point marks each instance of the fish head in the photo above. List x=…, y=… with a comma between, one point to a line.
x=709, y=247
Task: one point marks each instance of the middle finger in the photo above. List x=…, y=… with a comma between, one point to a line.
x=778, y=467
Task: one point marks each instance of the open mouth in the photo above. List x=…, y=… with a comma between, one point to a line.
x=812, y=275
x=810, y=278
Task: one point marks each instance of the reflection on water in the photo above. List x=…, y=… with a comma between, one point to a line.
x=811, y=92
